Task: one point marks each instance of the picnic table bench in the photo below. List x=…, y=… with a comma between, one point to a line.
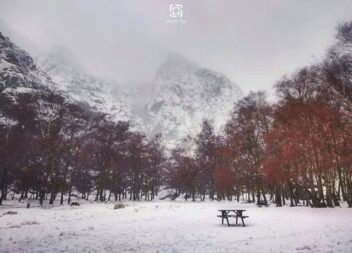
x=235, y=213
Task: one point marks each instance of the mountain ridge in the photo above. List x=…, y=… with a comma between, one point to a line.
x=181, y=95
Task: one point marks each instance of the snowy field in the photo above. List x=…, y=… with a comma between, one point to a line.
x=173, y=227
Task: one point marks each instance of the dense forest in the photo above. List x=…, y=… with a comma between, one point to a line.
x=296, y=150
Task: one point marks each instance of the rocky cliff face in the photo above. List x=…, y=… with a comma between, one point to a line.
x=17, y=68
x=24, y=89
x=184, y=94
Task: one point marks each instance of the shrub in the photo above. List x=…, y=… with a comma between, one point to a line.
x=119, y=206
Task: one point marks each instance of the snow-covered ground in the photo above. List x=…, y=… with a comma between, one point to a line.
x=173, y=227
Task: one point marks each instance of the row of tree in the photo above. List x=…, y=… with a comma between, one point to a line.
x=51, y=147
x=296, y=149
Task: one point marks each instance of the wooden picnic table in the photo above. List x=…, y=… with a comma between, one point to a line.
x=237, y=213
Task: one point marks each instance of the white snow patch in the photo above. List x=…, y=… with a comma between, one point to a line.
x=174, y=227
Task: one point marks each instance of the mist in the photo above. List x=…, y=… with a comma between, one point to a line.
x=253, y=42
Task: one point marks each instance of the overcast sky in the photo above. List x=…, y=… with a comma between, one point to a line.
x=252, y=42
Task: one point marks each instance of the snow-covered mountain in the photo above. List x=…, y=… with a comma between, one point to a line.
x=71, y=77
x=184, y=94
x=17, y=68
x=24, y=88
x=181, y=95
x=174, y=104
x=19, y=78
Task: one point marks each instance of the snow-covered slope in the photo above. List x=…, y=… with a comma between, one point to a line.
x=101, y=95
x=23, y=85
x=17, y=68
x=178, y=226
x=19, y=77
x=184, y=94
x=174, y=104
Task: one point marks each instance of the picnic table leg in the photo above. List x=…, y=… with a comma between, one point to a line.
x=236, y=219
x=243, y=222
x=227, y=219
x=223, y=215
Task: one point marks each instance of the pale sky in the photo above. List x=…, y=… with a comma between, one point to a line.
x=253, y=42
